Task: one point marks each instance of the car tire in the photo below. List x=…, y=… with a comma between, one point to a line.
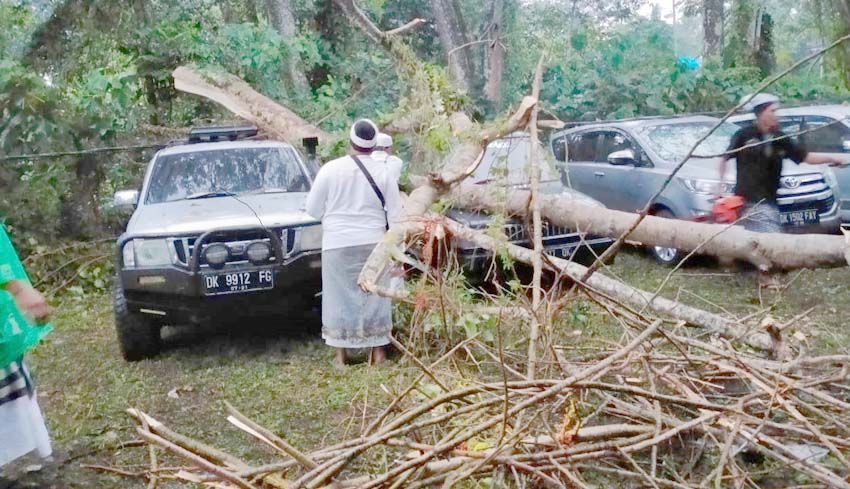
x=138, y=337
x=666, y=256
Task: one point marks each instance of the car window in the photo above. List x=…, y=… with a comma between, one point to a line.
x=672, y=142
x=791, y=125
x=508, y=158
x=582, y=146
x=559, y=148
x=827, y=136
x=613, y=141
x=233, y=170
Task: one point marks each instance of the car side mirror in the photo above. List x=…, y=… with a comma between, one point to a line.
x=126, y=199
x=623, y=157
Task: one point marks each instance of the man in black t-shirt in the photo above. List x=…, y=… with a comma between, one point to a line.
x=759, y=150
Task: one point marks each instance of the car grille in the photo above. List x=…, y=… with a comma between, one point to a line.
x=517, y=232
x=237, y=242
x=800, y=185
x=811, y=184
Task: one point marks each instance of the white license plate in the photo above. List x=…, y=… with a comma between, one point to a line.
x=799, y=218
x=234, y=282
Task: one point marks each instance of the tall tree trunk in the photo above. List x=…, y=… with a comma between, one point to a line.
x=282, y=18
x=80, y=212
x=495, y=56
x=452, y=36
x=712, y=25
x=842, y=54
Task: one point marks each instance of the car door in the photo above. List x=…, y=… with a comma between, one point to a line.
x=584, y=172
x=620, y=183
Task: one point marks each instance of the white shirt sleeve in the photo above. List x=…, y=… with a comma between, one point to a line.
x=394, y=164
x=393, y=199
x=318, y=195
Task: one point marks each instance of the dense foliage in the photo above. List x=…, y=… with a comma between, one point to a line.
x=78, y=74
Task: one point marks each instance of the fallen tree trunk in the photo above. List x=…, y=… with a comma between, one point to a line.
x=627, y=294
x=235, y=95
x=766, y=251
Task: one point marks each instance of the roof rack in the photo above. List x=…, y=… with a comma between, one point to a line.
x=221, y=133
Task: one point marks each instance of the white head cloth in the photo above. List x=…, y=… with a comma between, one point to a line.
x=359, y=141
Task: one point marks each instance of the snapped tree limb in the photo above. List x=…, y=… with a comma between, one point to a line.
x=235, y=95
x=623, y=292
x=767, y=251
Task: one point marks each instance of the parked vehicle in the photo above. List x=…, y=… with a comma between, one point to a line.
x=623, y=164
x=219, y=227
x=828, y=129
x=505, y=162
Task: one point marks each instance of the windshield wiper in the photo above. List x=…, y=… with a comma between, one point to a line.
x=206, y=195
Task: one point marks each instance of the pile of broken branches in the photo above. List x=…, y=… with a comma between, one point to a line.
x=662, y=409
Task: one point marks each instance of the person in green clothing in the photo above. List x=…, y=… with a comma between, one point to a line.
x=23, y=311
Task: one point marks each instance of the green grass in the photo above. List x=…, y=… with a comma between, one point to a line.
x=286, y=380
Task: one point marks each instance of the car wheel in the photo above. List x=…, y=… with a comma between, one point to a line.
x=138, y=337
x=665, y=256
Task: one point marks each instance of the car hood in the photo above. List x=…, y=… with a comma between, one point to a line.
x=197, y=216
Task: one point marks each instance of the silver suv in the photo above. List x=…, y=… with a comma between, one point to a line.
x=829, y=133
x=622, y=164
x=219, y=227
x=505, y=164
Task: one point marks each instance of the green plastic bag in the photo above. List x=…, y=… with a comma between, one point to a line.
x=17, y=334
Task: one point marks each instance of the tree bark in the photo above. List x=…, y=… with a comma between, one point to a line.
x=238, y=97
x=80, y=211
x=282, y=18
x=843, y=53
x=766, y=251
x=451, y=34
x=495, y=57
x=712, y=25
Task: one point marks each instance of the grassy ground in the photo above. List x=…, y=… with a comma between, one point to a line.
x=281, y=374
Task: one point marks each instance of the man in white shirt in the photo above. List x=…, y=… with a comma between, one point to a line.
x=384, y=152
x=355, y=213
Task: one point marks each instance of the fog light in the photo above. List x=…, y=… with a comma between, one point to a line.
x=216, y=254
x=152, y=280
x=258, y=252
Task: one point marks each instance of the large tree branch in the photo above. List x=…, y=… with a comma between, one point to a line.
x=623, y=292
x=781, y=251
x=238, y=97
x=457, y=166
x=369, y=28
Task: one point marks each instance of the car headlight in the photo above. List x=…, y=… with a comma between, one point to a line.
x=311, y=237
x=216, y=254
x=258, y=252
x=707, y=187
x=149, y=253
x=128, y=254
x=829, y=176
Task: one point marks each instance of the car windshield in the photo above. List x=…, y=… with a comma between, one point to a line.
x=672, y=142
x=222, y=172
x=508, y=159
